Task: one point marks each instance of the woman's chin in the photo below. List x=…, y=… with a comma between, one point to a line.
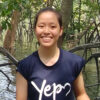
x=46, y=45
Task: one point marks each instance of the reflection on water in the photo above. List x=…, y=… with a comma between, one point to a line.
x=7, y=91
x=90, y=77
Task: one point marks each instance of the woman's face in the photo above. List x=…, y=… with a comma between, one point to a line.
x=48, y=29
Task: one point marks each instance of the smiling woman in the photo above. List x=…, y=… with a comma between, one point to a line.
x=48, y=29
x=50, y=73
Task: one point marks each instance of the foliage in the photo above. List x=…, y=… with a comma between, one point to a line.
x=23, y=6
x=83, y=12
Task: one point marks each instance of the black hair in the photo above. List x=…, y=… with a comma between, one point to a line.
x=59, y=17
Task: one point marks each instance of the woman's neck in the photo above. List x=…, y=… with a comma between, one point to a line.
x=48, y=52
x=49, y=56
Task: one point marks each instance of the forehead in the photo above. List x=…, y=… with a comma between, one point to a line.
x=48, y=16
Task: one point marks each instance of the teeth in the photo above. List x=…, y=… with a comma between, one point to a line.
x=46, y=38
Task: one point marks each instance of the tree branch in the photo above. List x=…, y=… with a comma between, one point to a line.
x=6, y=76
x=85, y=46
x=6, y=64
x=6, y=53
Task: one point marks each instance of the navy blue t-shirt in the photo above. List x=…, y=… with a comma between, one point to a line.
x=53, y=82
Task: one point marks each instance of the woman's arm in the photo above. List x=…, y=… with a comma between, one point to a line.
x=21, y=87
x=79, y=88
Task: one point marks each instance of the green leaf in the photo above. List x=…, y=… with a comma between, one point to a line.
x=4, y=25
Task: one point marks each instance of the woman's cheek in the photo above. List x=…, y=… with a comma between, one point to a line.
x=38, y=33
x=56, y=34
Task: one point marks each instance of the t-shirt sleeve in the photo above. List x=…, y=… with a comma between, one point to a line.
x=79, y=65
x=22, y=69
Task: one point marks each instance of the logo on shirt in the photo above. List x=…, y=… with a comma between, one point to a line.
x=45, y=89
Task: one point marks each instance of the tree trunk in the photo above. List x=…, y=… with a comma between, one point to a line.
x=10, y=35
x=0, y=29
x=79, y=18
x=66, y=11
x=0, y=33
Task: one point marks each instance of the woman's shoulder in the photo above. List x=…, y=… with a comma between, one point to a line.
x=28, y=59
x=25, y=65
x=75, y=62
x=71, y=56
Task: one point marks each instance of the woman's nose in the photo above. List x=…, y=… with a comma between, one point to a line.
x=46, y=30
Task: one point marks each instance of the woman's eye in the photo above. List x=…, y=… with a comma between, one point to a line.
x=41, y=26
x=53, y=26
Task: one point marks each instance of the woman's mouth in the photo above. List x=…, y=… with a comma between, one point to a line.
x=46, y=39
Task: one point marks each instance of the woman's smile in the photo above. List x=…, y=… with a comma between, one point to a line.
x=46, y=38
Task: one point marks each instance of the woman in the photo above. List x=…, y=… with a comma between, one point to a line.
x=50, y=73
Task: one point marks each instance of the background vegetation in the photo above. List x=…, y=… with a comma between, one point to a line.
x=17, y=17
